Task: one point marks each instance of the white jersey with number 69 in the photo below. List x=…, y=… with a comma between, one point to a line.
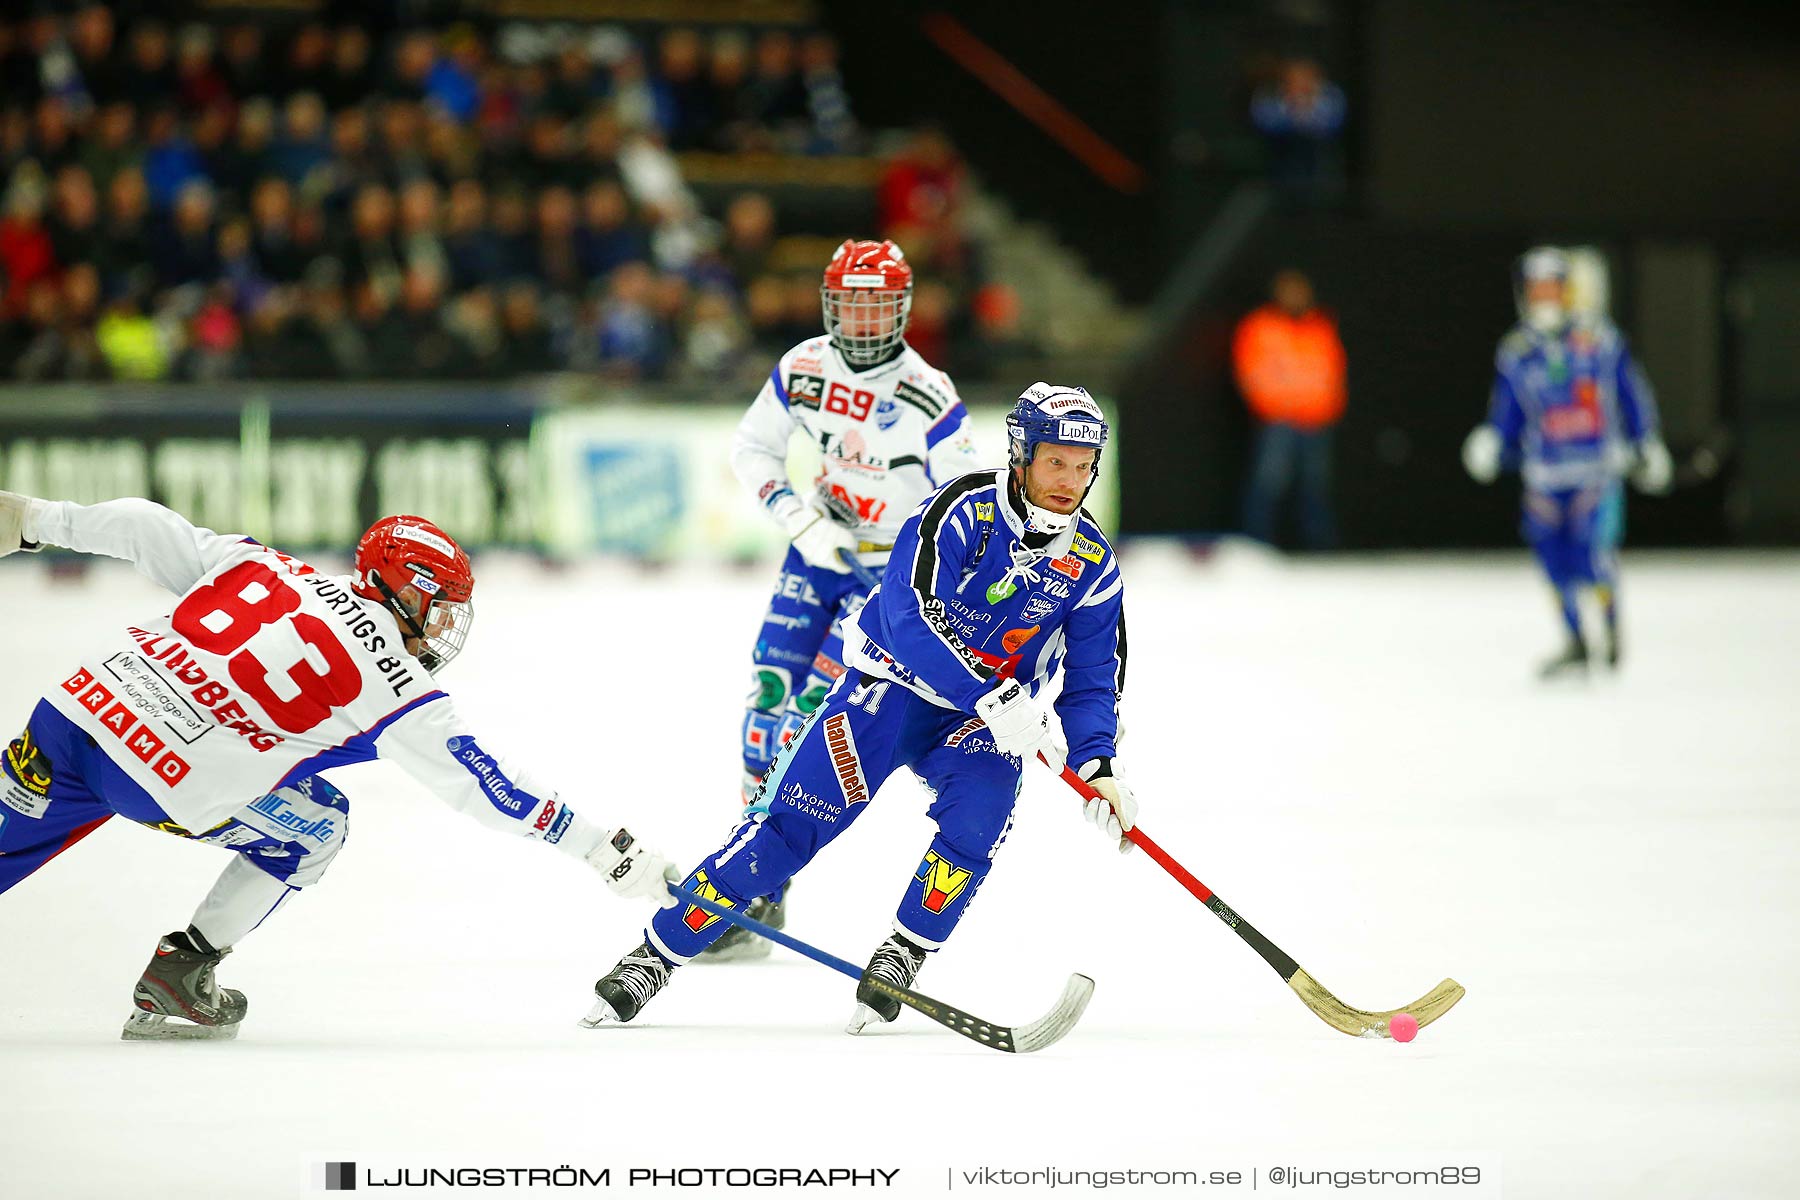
x=889, y=435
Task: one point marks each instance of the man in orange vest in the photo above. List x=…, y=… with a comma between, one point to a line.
x=1290, y=367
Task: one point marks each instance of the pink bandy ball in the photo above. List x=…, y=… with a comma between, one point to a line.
x=1403, y=1027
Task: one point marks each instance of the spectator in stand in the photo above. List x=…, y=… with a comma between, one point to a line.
x=15, y=140
x=599, y=156
x=241, y=60
x=403, y=154
x=251, y=155
x=303, y=148
x=347, y=81
x=765, y=311
x=372, y=256
x=833, y=126
x=354, y=162
x=113, y=145
x=451, y=150
x=576, y=85
x=239, y=270
x=514, y=238
x=727, y=74
x=433, y=351
x=148, y=74
x=134, y=345
x=74, y=223
x=59, y=330
x=414, y=56
x=1290, y=367
x=628, y=340
x=186, y=252
x=92, y=34
x=451, y=85
x=549, y=159
x=920, y=192
x=333, y=346
x=272, y=238
x=1300, y=116
x=684, y=97
x=527, y=344
x=308, y=58
x=774, y=97
x=421, y=246
x=126, y=234
x=199, y=85
x=749, y=236
x=474, y=320
x=40, y=325
x=470, y=250
x=171, y=162
x=557, y=258
x=53, y=135
x=26, y=252
x=608, y=237
x=633, y=100
x=215, y=339
x=716, y=338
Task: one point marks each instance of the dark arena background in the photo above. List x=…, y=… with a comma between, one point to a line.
x=520, y=266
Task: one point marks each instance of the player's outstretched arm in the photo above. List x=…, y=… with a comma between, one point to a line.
x=162, y=544
x=433, y=745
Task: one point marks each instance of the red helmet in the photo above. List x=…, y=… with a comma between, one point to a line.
x=866, y=296
x=401, y=553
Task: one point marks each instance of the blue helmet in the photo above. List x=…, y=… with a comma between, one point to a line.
x=1048, y=412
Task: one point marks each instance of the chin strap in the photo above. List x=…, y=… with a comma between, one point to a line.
x=409, y=625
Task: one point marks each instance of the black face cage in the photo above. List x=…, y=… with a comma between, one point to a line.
x=866, y=308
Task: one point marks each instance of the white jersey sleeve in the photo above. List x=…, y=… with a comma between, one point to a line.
x=759, y=448
x=434, y=745
x=162, y=544
x=950, y=442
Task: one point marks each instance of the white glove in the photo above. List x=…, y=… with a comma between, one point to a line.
x=818, y=538
x=1019, y=724
x=1116, y=810
x=1481, y=453
x=12, y=523
x=1655, y=469
x=632, y=870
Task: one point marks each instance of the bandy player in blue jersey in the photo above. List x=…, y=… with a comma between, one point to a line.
x=1572, y=411
x=996, y=582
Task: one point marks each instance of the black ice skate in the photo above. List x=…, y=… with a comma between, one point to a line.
x=624, y=991
x=1613, y=650
x=178, y=999
x=1571, y=662
x=896, y=961
x=738, y=944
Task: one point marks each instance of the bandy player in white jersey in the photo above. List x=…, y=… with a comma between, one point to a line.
x=890, y=430
x=212, y=722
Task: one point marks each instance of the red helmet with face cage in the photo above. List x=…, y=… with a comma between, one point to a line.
x=407, y=552
x=866, y=297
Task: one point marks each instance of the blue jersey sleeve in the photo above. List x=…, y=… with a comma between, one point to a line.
x=927, y=562
x=1505, y=411
x=1094, y=669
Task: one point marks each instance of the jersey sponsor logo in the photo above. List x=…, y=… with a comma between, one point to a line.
x=796, y=797
x=1090, y=550
x=792, y=586
x=1055, y=587
x=545, y=815
x=928, y=403
x=867, y=509
x=840, y=743
x=943, y=881
x=287, y=819
x=936, y=617
x=813, y=365
x=1039, y=607
x=984, y=511
x=166, y=765
x=501, y=792
x=887, y=413
x=1012, y=639
x=972, y=725
x=175, y=659
x=1000, y=589
x=1067, y=565
x=695, y=917
x=805, y=390
x=850, y=451
x=564, y=819
x=426, y=583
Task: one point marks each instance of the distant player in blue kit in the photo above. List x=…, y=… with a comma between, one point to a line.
x=996, y=581
x=889, y=429
x=1572, y=412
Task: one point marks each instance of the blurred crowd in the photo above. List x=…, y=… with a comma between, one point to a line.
x=234, y=200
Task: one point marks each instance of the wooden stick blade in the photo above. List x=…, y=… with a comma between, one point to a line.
x=1360, y=1023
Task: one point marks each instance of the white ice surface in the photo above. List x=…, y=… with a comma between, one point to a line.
x=1354, y=754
